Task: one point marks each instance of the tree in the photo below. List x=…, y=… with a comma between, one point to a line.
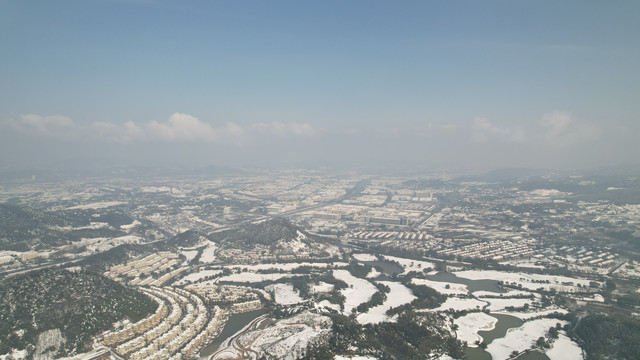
x=610, y=285
x=541, y=342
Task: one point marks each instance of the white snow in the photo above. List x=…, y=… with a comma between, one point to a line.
x=209, y=253
x=534, y=314
x=523, y=263
x=399, y=295
x=198, y=276
x=285, y=294
x=329, y=305
x=458, y=304
x=359, y=290
x=520, y=338
x=130, y=226
x=97, y=205
x=594, y=298
x=251, y=277
x=510, y=292
x=528, y=281
x=373, y=274
x=470, y=324
x=496, y=304
x=151, y=189
x=564, y=349
x=322, y=287
x=410, y=264
x=15, y=355
x=548, y=193
x=441, y=286
x=189, y=254
x=355, y=357
x=365, y=257
x=286, y=339
x=286, y=266
x=103, y=244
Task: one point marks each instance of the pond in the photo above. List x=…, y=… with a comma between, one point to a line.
x=505, y=322
x=533, y=355
x=235, y=323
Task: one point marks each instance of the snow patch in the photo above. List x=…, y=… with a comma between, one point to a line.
x=470, y=324
x=564, y=349
x=399, y=295
x=365, y=257
x=442, y=287
x=209, y=253
x=520, y=338
x=250, y=277
x=459, y=304
x=97, y=205
x=285, y=294
x=357, y=292
x=410, y=264
x=195, y=277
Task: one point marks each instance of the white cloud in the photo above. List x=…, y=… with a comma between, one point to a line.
x=482, y=131
x=555, y=123
x=179, y=128
x=55, y=126
x=561, y=130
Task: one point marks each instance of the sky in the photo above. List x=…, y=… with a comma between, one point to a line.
x=477, y=84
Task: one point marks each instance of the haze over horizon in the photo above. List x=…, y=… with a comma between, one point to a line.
x=470, y=84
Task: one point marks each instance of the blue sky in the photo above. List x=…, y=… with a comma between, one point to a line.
x=438, y=83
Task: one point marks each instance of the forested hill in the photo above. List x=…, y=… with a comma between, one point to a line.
x=63, y=309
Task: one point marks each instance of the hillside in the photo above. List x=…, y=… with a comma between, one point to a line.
x=276, y=237
x=24, y=228
x=63, y=309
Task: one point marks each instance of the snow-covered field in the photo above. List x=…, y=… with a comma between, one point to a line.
x=104, y=244
x=286, y=266
x=470, y=324
x=359, y=290
x=510, y=292
x=365, y=257
x=198, y=276
x=534, y=314
x=321, y=287
x=373, y=274
x=130, y=226
x=398, y=295
x=251, y=277
x=523, y=263
x=441, y=287
x=528, y=281
x=97, y=205
x=329, y=305
x=189, y=254
x=521, y=338
x=496, y=304
x=629, y=270
x=458, y=304
x=355, y=357
x=209, y=253
x=411, y=265
x=564, y=349
x=285, y=294
x=286, y=339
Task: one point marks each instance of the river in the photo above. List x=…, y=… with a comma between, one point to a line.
x=235, y=323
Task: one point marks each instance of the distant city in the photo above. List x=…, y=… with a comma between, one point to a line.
x=319, y=264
